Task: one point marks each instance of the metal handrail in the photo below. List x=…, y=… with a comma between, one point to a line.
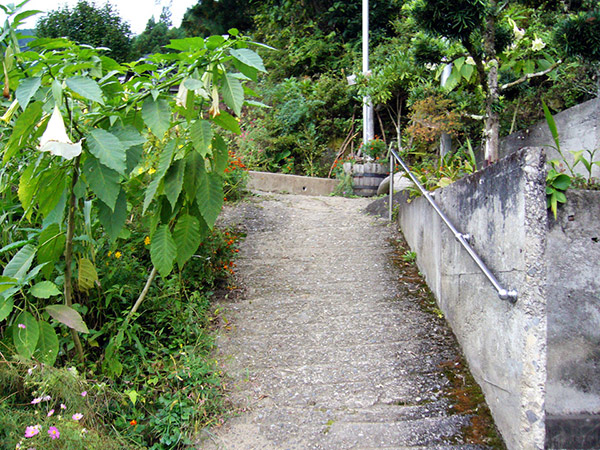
x=510, y=295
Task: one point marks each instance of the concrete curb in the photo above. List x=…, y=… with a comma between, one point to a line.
x=291, y=184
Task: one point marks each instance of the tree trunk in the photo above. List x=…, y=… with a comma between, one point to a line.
x=492, y=122
x=69, y=253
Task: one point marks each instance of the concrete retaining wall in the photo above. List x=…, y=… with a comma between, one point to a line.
x=573, y=387
x=291, y=184
x=503, y=208
x=538, y=361
x=578, y=129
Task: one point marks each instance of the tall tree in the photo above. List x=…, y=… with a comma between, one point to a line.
x=474, y=24
x=156, y=35
x=491, y=38
x=87, y=24
x=209, y=17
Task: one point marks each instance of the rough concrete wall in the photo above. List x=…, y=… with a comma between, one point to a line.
x=574, y=306
x=578, y=129
x=503, y=209
x=291, y=184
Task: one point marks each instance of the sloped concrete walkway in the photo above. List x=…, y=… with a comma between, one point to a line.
x=325, y=350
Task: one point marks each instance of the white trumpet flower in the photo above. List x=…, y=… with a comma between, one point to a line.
x=181, y=98
x=55, y=139
x=537, y=44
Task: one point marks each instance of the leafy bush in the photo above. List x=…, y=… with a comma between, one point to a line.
x=303, y=129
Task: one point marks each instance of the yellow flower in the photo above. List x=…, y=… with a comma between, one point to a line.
x=147, y=240
x=141, y=170
x=109, y=253
x=152, y=170
x=118, y=255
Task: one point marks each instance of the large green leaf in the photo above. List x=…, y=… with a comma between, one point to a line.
x=6, y=307
x=201, y=132
x=249, y=58
x=86, y=87
x=25, y=334
x=67, y=316
x=134, y=156
x=87, y=275
x=187, y=235
x=19, y=265
x=44, y=289
x=113, y=221
x=164, y=161
x=27, y=187
x=128, y=135
x=157, y=116
x=210, y=197
x=46, y=350
x=50, y=189
x=6, y=283
x=215, y=41
x=220, y=155
x=194, y=169
x=228, y=122
x=187, y=44
x=57, y=215
x=163, y=250
x=27, y=89
x=108, y=149
x=103, y=181
x=22, y=130
x=133, y=142
x=233, y=93
x=174, y=181
x=51, y=246
x=249, y=72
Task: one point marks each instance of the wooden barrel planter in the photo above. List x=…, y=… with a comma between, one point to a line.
x=366, y=177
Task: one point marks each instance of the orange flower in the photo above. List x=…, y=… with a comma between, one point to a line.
x=133, y=423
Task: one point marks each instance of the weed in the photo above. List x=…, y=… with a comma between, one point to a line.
x=409, y=256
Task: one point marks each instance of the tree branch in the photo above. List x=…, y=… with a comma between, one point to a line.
x=530, y=75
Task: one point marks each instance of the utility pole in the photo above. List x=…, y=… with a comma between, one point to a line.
x=368, y=123
x=445, y=139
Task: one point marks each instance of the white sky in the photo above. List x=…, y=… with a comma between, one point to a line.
x=136, y=12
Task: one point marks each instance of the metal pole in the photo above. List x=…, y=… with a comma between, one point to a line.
x=368, y=123
x=445, y=139
x=391, y=196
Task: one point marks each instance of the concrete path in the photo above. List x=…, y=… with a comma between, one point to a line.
x=326, y=349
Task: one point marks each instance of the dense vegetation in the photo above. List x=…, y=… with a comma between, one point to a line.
x=112, y=179
x=116, y=163
x=506, y=57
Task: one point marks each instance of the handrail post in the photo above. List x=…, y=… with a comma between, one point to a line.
x=391, y=196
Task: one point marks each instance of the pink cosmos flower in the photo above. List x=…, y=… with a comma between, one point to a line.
x=77, y=416
x=32, y=431
x=54, y=433
x=84, y=393
x=50, y=413
x=35, y=401
x=63, y=406
x=22, y=326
